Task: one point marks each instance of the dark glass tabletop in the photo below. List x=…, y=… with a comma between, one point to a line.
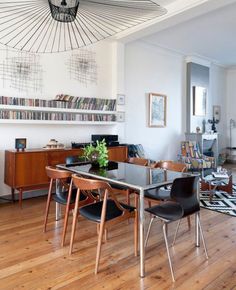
x=131, y=175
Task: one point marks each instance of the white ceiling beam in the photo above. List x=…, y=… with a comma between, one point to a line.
x=178, y=11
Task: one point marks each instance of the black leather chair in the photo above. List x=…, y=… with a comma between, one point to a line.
x=185, y=202
x=105, y=213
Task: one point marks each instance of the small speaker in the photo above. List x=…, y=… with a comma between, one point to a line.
x=20, y=143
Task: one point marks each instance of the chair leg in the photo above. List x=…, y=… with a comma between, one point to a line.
x=128, y=197
x=136, y=201
x=189, y=222
x=105, y=235
x=176, y=232
x=168, y=253
x=75, y=215
x=202, y=236
x=136, y=234
x=102, y=225
x=148, y=231
x=66, y=215
x=47, y=206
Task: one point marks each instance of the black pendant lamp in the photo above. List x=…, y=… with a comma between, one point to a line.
x=47, y=26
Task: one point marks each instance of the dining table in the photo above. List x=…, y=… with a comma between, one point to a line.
x=132, y=176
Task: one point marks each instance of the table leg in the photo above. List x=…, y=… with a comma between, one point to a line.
x=58, y=211
x=13, y=194
x=197, y=237
x=141, y=233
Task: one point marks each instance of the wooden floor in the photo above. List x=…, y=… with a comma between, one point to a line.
x=30, y=259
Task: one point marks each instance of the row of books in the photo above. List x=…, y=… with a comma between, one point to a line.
x=28, y=115
x=82, y=103
x=190, y=149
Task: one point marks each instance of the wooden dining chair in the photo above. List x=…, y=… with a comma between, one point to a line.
x=171, y=165
x=106, y=212
x=138, y=161
x=61, y=181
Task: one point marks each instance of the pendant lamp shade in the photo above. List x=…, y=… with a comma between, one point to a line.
x=47, y=26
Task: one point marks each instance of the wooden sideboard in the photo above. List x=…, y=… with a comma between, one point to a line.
x=25, y=170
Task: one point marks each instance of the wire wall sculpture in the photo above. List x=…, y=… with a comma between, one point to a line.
x=47, y=26
x=21, y=71
x=83, y=67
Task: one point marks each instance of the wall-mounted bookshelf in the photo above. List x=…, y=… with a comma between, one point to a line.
x=63, y=109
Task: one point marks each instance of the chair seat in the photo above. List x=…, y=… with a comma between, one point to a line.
x=62, y=197
x=93, y=211
x=118, y=186
x=170, y=211
x=162, y=193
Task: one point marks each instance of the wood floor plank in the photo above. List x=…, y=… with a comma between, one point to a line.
x=31, y=259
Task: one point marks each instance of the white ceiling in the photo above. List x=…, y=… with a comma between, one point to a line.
x=203, y=28
x=212, y=35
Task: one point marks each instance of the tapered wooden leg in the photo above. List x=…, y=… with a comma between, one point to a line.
x=66, y=215
x=149, y=203
x=128, y=197
x=20, y=197
x=75, y=215
x=99, y=246
x=136, y=205
x=102, y=226
x=105, y=235
x=48, y=205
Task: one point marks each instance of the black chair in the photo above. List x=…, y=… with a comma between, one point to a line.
x=185, y=202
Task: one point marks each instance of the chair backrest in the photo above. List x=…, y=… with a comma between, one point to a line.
x=86, y=185
x=138, y=161
x=173, y=166
x=184, y=191
x=55, y=173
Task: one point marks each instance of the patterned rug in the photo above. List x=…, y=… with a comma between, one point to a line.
x=221, y=202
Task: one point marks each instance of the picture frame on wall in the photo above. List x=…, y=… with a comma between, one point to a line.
x=199, y=101
x=216, y=113
x=157, y=110
x=120, y=117
x=120, y=99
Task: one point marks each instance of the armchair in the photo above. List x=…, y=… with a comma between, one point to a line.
x=193, y=158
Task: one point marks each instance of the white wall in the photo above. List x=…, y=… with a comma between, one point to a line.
x=231, y=103
x=217, y=85
x=56, y=80
x=151, y=69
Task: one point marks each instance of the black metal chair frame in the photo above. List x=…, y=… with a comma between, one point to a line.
x=183, y=207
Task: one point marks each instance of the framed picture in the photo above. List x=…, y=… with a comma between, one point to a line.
x=157, y=110
x=120, y=99
x=216, y=113
x=120, y=117
x=199, y=101
x=20, y=143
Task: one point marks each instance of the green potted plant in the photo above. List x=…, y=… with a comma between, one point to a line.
x=97, y=155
